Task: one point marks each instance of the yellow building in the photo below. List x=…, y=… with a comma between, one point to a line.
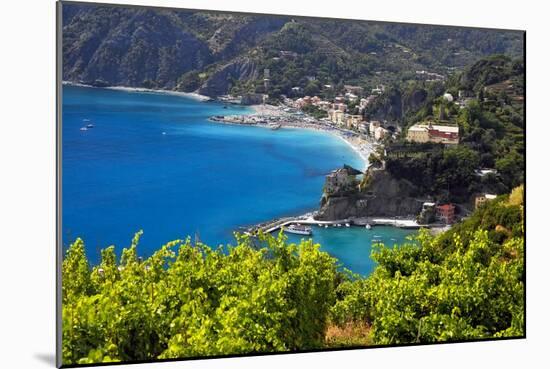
x=418, y=133
x=433, y=133
x=336, y=116
x=480, y=200
x=352, y=121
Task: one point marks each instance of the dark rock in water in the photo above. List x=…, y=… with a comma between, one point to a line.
x=379, y=194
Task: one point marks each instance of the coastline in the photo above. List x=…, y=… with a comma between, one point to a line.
x=262, y=112
x=362, y=148
x=191, y=95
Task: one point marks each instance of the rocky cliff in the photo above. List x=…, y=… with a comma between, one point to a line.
x=394, y=104
x=115, y=46
x=378, y=194
x=221, y=80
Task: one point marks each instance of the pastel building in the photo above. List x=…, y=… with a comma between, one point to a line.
x=336, y=116
x=480, y=200
x=446, y=213
x=352, y=121
x=433, y=133
x=380, y=133
x=372, y=126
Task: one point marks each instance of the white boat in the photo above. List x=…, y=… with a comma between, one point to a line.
x=83, y=128
x=368, y=226
x=298, y=229
x=339, y=225
x=89, y=125
x=377, y=239
x=326, y=225
x=347, y=225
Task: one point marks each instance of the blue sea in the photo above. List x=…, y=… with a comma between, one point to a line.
x=154, y=162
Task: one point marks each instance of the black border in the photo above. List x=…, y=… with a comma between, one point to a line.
x=59, y=249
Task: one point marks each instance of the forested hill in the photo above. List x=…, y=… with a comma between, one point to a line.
x=216, y=53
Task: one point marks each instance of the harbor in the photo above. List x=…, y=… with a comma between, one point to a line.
x=365, y=222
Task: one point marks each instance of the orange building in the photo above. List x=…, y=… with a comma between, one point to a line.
x=446, y=212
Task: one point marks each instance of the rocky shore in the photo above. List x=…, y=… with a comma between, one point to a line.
x=376, y=194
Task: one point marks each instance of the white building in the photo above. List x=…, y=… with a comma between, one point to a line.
x=380, y=133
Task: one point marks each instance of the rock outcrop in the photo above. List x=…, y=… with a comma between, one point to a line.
x=378, y=194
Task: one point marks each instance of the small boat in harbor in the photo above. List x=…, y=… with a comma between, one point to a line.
x=339, y=225
x=298, y=229
x=376, y=239
x=274, y=126
x=83, y=128
x=326, y=225
x=368, y=226
x=89, y=125
x=347, y=225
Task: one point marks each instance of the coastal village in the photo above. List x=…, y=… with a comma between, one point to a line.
x=213, y=205
x=344, y=116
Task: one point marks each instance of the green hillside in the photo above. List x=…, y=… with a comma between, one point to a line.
x=191, y=300
x=143, y=47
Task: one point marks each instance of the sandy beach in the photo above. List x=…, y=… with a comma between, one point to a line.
x=191, y=95
x=264, y=115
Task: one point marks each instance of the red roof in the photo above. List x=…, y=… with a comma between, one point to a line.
x=437, y=133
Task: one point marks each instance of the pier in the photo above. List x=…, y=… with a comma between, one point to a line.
x=307, y=219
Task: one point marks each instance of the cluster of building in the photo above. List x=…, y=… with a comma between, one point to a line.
x=446, y=213
x=429, y=132
x=338, y=109
x=377, y=131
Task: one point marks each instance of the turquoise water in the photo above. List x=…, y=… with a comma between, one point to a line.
x=154, y=162
x=352, y=246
